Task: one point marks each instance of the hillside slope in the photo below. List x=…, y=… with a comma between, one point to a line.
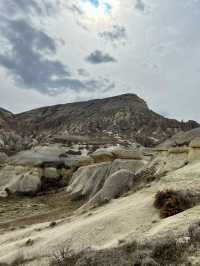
x=124, y=219
x=125, y=116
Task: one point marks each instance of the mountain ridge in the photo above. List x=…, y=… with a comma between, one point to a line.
x=125, y=117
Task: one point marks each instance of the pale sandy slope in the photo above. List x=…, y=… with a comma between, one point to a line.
x=131, y=217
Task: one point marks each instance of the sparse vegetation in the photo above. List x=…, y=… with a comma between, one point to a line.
x=171, y=202
x=194, y=232
x=64, y=257
x=164, y=251
x=21, y=211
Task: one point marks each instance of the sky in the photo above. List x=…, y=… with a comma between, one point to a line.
x=60, y=51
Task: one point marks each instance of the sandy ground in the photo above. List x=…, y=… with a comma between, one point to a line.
x=18, y=212
x=128, y=218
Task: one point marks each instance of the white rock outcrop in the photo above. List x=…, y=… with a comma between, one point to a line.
x=19, y=180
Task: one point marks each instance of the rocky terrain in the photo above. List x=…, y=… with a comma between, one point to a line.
x=12, y=138
x=74, y=197
x=125, y=118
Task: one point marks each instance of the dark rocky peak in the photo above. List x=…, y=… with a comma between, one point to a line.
x=124, y=116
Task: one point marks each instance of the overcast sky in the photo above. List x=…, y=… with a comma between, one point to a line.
x=58, y=51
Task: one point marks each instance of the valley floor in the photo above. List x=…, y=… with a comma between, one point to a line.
x=18, y=212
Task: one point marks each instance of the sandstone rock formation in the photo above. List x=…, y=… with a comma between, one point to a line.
x=115, y=185
x=19, y=180
x=92, y=177
x=181, y=139
x=88, y=180
x=121, y=222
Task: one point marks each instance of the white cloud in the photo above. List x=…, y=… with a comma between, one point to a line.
x=160, y=60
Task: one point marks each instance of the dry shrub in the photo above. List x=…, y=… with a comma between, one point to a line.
x=194, y=232
x=163, y=251
x=166, y=250
x=64, y=257
x=171, y=202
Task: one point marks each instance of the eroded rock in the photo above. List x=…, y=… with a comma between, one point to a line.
x=19, y=180
x=115, y=185
x=88, y=180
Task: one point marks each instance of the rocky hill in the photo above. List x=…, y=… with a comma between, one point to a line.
x=123, y=118
x=6, y=119
x=111, y=206
x=126, y=116
x=114, y=207
x=12, y=138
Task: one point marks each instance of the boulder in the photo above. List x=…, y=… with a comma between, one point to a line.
x=27, y=184
x=88, y=180
x=115, y=185
x=19, y=180
x=38, y=155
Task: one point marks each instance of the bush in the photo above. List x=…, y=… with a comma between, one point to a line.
x=194, y=232
x=166, y=249
x=64, y=257
x=171, y=202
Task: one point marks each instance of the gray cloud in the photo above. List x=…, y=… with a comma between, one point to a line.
x=75, y=9
x=159, y=61
x=28, y=63
x=27, y=60
x=98, y=57
x=82, y=72
x=10, y=7
x=30, y=7
x=117, y=33
x=140, y=5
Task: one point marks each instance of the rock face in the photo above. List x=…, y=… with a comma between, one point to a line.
x=88, y=181
x=121, y=118
x=130, y=165
x=12, y=138
x=182, y=139
x=115, y=185
x=19, y=180
x=112, y=153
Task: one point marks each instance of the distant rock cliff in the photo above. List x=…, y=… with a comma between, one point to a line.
x=125, y=117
